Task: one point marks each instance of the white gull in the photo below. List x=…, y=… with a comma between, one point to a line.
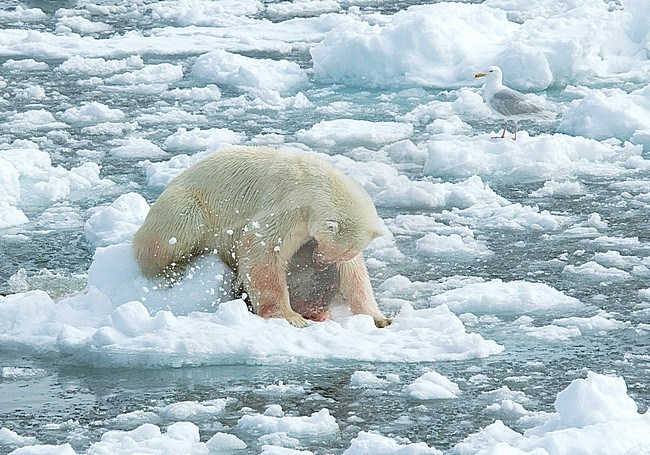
x=510, y=104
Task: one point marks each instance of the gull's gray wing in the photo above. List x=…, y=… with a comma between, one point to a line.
x=508, y=102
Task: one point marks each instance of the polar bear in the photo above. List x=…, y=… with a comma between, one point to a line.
x=259, y=208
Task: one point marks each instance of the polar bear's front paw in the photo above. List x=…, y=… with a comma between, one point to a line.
x=274, y=311
x=296, y=320
x=382, y=322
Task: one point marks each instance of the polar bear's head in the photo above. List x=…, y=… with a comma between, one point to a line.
x=339, y=240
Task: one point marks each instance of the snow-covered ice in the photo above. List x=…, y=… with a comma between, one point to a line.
x=516, y=272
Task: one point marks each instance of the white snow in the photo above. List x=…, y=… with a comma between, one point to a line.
x=89, y=90
x=501, y=298
x=320, y=424
x=91, y=113
x=118, y=222
x=249, y=74
x=349, y=132
x=536, y=158
x=138, y=147
x=372, y=442
x=593, y=415
x=197, y=140
x=431, y=386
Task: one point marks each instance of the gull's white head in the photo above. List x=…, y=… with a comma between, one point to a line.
x=492, y=73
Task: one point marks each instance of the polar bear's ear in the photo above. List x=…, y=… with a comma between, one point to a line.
x=332, y=226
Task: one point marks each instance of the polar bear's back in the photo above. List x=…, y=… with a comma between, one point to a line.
x=248, y=176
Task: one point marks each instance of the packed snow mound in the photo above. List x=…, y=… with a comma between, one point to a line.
x=28, y=179
x=431, y=45
x=375, y=443
x=349, y=132
x=249, y=74
x=125, y=319
x=593, y=416
x=118, y=222
x=92, y=328
x=502, y=298
x=425, y=45
x=529, y=158
x=609, y=113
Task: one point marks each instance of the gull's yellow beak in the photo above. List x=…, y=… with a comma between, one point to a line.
x=479, y=75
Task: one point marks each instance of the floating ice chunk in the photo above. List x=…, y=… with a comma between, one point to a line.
x=283, y=389
x=99, y=66
x=10, y=215
x=180, y=437
x=468, y=104
x=319, y=424
x=303, y=8
x=522, y=11
x=367, y=380
x=432, y=386
x=581, y=45
x=19, y=373
x=27, y=64
x=616, y=259
x=202, y=140
x=8, y=437
x=594, y=400
x=594, y=271
x=90, y=114
x=41, y=181
x=348, y=132
x=31, y=93
x=33, y=120
x=206, y=13
x=20, y=14
x=599, y=323
x=249, y=74
x=193, y=410
x=389, y=188
x=46, y=449
x=117, y=275
x=118, y=222
x=138, y=147
x=32, y=320
x=451, y=125
x=552, y=188
x=224, y=443
x=594, y=415
x=553, y=332
x=542, y=157
x=418, y=46
x=135, y=419
x=506, y=298
x=405, y=151
x=608, y=113
x=209, y=93
x=641, y=137
x=163, y=73
x=371, y=442
x=132, y=337
x=454, y=245
x=508, y=408
x=82, y=25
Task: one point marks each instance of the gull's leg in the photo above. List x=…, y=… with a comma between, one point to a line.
x=516, y=127
x=503, y=133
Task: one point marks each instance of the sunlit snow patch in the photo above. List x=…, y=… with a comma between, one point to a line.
x=529, y=158
x=593, y=416
x=126, y=320
x=507, y=298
